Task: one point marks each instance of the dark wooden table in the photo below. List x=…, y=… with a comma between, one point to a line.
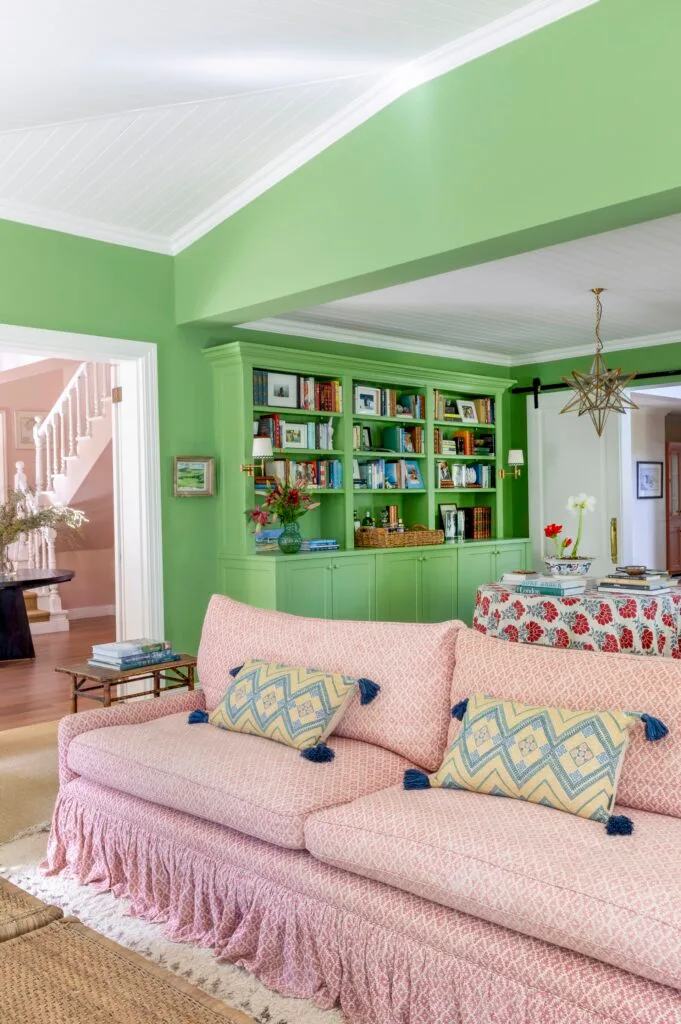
x=96, y=683
x=15, y=633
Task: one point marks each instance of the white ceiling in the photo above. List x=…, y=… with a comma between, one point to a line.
x=149, y=121
x=533, y=306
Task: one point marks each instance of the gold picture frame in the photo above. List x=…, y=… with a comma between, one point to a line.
x=193, y=476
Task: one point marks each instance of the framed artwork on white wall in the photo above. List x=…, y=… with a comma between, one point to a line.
x=23, y=428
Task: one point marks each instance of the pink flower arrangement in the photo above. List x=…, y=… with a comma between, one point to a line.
x=284, y=503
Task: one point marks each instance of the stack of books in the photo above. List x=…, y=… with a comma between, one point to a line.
x=520, y=576
x=129, y=654
x=320, y=544
x=558, y=586
x=650, y=583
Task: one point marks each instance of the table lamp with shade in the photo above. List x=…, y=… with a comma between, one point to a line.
x=262, y=450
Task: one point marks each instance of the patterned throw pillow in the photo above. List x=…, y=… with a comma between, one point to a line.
x=558, y=757
x=296, y=706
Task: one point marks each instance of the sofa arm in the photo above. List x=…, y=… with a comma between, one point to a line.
x=131, y=712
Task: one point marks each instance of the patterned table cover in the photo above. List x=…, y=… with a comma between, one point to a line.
x=593, y=621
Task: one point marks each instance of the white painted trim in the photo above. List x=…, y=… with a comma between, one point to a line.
x=84, y=227
x=438, y=62
x=93, y=611
x=611, y=345
x=137, y=471
x=349, y=336
x=4, y=472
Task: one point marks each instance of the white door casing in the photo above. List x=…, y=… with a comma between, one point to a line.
x=566, y=457
x=136, y=465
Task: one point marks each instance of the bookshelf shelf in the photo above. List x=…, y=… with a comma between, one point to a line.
x=389, y=490
x=404, y=421
x=466, y=490
x=283, y=411
x=368, y=453
x=464, y=458
x=292, y=453
x=460, y=425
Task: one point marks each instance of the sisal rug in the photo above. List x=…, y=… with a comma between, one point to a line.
x=28, y=787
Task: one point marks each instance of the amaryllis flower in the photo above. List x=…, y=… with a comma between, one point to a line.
x=552, y=530
x=581, y=503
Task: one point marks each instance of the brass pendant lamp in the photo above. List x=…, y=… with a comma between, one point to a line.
x=601, y=391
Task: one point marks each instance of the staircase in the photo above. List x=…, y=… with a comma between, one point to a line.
x=68, y=443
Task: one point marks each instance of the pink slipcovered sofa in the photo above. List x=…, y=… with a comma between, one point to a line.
x=332, y=883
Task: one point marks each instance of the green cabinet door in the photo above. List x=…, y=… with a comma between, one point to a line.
x=305, y=586
x=398, y=586
x=439, y=596
x=477, y=564
x=510, y=557
x=353, y=588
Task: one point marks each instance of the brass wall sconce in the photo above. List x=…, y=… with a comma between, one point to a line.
x=516, y=460
x=262, y=449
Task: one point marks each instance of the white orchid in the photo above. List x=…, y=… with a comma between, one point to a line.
x=581, y=503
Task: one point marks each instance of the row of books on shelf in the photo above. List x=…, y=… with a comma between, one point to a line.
x=295, y=392
x=385, y=474
x=463, y=410
x=370, y=401
x=126, y=655
x=394, y=438
x=323, y=473
x=464, y=442
x=285, y=434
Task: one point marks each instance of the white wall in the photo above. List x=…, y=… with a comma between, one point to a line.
x=648, y=526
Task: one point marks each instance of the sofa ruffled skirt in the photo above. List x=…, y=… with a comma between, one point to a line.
x=309, y=930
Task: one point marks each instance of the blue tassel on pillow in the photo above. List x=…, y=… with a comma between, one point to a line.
x=368, y=690
x=460, y=709
x=655, y=728
x=414, y=778
x=234, y=672
x=619, y=825
x=197, y=717
x=320, y=753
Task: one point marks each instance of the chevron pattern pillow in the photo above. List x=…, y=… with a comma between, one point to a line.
x=296, y=706
x=562, y=758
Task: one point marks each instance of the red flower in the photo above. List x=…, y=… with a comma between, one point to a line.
x=610, y=643
x=604, y=615
x=661, y=643
x=512, y=633
x=647, y=639
x=567, y=542
x=550, y=611
x=626, y=639
x=504, y=596
x=562, y=638
x=552, y=530
x=485, y=605
x=581, y=624
x=628, y=609
x=668, y=619
x=534, y=632
x=519, y=608
x=650, y=610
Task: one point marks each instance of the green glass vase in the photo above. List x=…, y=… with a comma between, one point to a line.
x=290, y=539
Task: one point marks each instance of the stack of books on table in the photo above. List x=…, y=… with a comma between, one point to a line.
x=650, y=583
x=320, y=544
x=125, y=655
x=558, y=586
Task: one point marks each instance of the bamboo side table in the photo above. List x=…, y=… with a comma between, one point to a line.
x=97, y=683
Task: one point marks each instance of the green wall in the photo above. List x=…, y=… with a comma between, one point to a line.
x=66, y=283
x=566, y=132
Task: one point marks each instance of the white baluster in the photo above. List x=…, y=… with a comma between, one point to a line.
x=79, y=406
x=96, y=390
x=87, y=401
x=62, y=438
x=104, y=377
x=72, y=423
x=48, y=458
x=55, y=456
x=39, y=466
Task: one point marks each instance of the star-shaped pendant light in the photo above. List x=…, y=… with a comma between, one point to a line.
x=601, y=391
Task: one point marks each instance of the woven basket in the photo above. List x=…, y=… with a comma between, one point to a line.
x=416, y=536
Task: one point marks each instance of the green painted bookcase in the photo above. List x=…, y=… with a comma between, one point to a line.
x=415, y=584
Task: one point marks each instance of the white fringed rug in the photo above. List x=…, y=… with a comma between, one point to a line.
x=105, y=914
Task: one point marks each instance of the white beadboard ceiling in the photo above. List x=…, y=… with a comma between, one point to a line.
x=147, y=122
x=536, y=305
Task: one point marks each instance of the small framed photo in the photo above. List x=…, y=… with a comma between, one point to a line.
x=367, y=400
x=649, y=477
x=444, y=475
x=444, y=509
x=24, y=423
x=294, y=435
x=367, y=442
x=414, y=478
x=193, y=476
x=467, y=411
x=282, y=390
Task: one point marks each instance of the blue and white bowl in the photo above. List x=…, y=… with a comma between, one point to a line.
x=568, y=566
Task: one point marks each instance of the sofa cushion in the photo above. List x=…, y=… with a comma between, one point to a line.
x=411, y=662
x=587, y=680
x=524, y=866
x=244, y=782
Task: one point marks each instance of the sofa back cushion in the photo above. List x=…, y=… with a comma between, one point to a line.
x=587, y=680
x=411, y=662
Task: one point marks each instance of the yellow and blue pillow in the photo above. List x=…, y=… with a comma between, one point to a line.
x=562, y=758
x=297, y=706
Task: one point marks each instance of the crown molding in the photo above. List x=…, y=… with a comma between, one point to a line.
x=620, y=345
x=348, y=336
x=438, y=62
x=83, y=227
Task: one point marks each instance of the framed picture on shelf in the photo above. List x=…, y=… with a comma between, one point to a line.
x=444, y=475
x=467, y=410
x=367, y=442
x=649, y=479
x=282, y=390
x=444, y=509
x=294, y=435
x=193, y=476
x=23, y=428
x=367, y=400
x=414, y=478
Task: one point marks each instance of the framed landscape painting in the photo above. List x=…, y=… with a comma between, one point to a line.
x=193, y=476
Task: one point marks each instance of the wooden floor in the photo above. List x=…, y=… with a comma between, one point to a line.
x=31, y=691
